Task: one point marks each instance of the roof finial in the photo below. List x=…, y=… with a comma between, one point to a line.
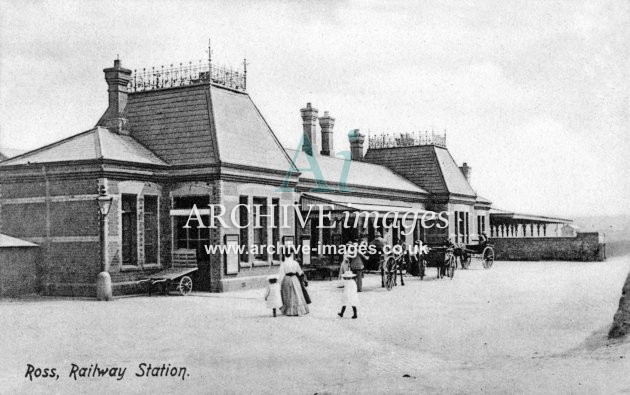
x=210, y=52
x=245, y=71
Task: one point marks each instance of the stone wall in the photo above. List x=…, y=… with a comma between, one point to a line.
x=583, y=247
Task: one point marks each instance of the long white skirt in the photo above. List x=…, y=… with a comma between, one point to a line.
x=293, y=302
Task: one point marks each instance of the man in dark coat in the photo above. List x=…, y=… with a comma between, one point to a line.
x=379, y=242
x=356, y=262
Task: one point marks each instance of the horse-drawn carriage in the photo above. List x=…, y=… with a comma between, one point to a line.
x=440, y=257
x=481, y=251
x=445, y=257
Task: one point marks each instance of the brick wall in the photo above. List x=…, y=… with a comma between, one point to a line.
x=583, y=247
x=61, y=216
x=18, y=271
x=124, y=278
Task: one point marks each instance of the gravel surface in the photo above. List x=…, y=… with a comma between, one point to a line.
x=520, y=327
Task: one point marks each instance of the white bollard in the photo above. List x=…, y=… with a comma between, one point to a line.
x=103, y=286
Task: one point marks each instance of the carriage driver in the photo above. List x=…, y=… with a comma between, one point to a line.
x=483, y=239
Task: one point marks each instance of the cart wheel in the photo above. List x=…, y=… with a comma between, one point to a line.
x=488, y=257
x=185, y=285
x=390, y=275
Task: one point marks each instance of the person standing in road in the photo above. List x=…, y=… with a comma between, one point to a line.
x=379, y=242
x=293, y=302
x=349, y=297
x=357, y=262
x=273, y=297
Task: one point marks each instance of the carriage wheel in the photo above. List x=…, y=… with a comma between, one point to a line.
x=185, y=285
x=465, y=260
x=488, y=257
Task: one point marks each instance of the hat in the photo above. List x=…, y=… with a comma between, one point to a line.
x=348, y=274
x=272, y=277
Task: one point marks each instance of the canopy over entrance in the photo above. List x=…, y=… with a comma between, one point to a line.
x=353, y=203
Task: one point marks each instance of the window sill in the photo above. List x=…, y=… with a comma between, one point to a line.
x=258, y=263
x=138, y=268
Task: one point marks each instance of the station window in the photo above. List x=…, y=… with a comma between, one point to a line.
x=195, y=237
x=260, y=232
x=243, y=219
x=129, y=230
x=151, y=227
x=275, y=231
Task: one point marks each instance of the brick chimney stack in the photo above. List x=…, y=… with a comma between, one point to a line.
x=327, y=123
x=356, y=144
x=309, y=124
x=117, y=79
x=466, y=171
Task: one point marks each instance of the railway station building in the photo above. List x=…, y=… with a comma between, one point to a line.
x=192, y=136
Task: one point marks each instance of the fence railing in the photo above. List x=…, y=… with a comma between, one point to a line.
x=410, y=139
x=186, y=74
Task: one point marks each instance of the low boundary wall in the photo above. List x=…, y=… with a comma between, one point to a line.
x=583, y=247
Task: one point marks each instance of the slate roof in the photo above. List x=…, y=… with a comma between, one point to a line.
x=243, y=135
x=360, y=173
x=483, y=200
x=97, y=143
x=429, y=166
x=174, y=123
x=8, y=241
x=204, y=124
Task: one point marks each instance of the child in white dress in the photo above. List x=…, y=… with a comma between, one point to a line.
x=349, y=297
x=273, y=297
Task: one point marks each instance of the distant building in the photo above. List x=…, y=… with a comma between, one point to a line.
x=193, y=136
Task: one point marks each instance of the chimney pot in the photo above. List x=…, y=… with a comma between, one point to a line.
x=309, y=125
x=356, y=144
x=117, y=79
x=466, y=170
x=327, y=123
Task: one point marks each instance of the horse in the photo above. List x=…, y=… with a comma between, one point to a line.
x=385, y=263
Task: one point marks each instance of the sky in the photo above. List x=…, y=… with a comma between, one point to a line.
x=533, y=95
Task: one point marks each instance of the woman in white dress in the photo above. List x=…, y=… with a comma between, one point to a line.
x=293, y=302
